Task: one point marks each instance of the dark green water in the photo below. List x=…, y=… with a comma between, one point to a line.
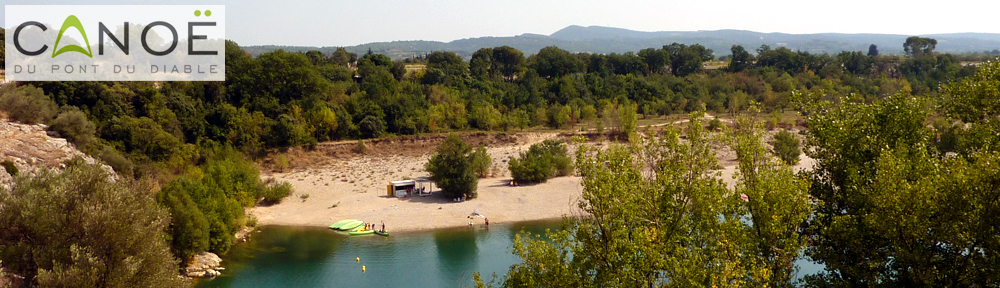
x=319, y=257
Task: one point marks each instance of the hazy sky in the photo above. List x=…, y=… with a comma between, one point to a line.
x=343, y=23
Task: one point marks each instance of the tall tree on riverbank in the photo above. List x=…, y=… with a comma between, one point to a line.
x=894, y=209
x=656, y=215
x=451, y=168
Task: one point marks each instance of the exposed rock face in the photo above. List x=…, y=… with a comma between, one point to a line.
x=205, y=264
x=31, y=148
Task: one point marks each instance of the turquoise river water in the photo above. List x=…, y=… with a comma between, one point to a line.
x=318, y=257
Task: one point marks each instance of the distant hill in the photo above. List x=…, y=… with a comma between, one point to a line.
x=597, y=39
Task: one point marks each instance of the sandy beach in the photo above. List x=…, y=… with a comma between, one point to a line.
x=354, y=187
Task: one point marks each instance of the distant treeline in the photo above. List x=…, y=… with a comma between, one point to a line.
x=282, y=99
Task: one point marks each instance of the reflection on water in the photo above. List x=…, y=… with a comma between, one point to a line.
x=319, y=257
x=457, y=253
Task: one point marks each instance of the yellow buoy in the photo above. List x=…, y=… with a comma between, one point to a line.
x=357, y=259
x=362, y=268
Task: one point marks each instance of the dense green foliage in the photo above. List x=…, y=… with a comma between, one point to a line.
x=283, y=99
x=452, y=168
x=207, y=202
x=786, y=147
x=895, y=209
x=280, y=99
x=3, y=33
x=541, y=162
x=888, y=203
x=27, y=104
x=657, y=216
x=81, y=229
x=480, y=161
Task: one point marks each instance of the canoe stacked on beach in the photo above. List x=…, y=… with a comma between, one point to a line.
x=337, y=224
x=351, y=226
x=346, y=225
x=355, y=227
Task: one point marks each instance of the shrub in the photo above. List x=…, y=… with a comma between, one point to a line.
x=220, y=189
x=275, y=192
x=189, y=230
x=27, y=104
x=480, y=161
x=786, y=147
x=282, y=162
x=628, y=120
x=79, y=229
x=451, y=168
x=76, y=128
x=9, y=166
x=360, y=148
x=588, y=113
x=715, y=124
x=541, y=162
x=371, y=127
x=116, y=160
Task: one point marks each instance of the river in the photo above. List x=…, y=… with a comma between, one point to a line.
x=281, y=256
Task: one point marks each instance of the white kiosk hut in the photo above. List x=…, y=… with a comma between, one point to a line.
x=409, y=188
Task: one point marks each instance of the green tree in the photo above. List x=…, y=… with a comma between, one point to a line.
x=451, y=67
x=480, y=161
x=507, y=62
x=777, y=204
x=27, y=104
x=872, y=50
x=73, y=125
x=916, y=46
x=371, y=127
x=79, y=228
x=657, y=60
x=741, y=59
x=686, y=59
x=189, y=233
x=628, y=120
x=554, y=62
x=655, y=216
x=973, y=102
x=855, y=62
x=558, y=116
x=2, y=52
x=481, y=65
x=786, y=147
x=451, y=168
x=541, y=162
x=889, y=201
x=342, y=57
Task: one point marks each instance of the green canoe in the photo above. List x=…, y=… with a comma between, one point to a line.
x=337, y=224
x=382, y=233
x=350, y=225
x=361, y=232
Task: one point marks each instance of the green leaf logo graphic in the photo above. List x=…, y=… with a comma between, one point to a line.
x=72, y=21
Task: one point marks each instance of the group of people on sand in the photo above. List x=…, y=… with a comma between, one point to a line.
x=371, y=226
x=484, y=218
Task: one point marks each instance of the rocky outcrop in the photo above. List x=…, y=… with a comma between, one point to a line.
x=31, y=148
x=244, y=234
x=205, y=264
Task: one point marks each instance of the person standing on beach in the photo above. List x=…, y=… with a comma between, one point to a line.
x=487, y=221
x=383, y=226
